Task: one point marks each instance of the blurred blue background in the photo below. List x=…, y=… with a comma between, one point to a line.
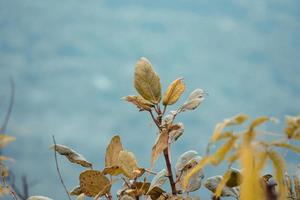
x=72, y=61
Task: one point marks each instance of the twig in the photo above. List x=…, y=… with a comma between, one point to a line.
x=57, y=168
x=150, y=172
x=169, y=168
x=153, y=118
x=9, y=110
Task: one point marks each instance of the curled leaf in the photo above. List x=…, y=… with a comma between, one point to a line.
x=174, y=91
x=71, y=155
x=140, y=102
x=93, y=182
x=160, y=145
x=146, y=81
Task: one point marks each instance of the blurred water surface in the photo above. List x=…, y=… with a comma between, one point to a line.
x=72, y=61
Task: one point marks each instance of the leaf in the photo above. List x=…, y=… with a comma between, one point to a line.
x=292, y=129
x=235, y=178
x=38, y=198
x=156, y=193
x=71, y=155
x=113, y=170
x=112, y=152
x=258, y=121
x=279, y=168
x=186, y=159
x=160, y=145
x=140, y=188
x=222, y=183
x=174, y=91
x=76, y=191
x=80, y=197
x=146, y=81
x=158, y=180
x=93, y=182
x=220, y=154
x=127, y=197
x=212, y=184
x=203, y=162
x=287, y=146
x=175, y=131
x=194, y=100
x=129, y=165
x=140, y=102
x=236, y=120
x=297, y=187
x=5, y=140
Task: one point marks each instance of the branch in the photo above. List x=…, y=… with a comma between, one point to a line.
x=169, y=168
x=57, y=168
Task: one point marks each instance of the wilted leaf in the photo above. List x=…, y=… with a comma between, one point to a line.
x=160, y=145
x=156, y=193
x=236, y=120
x=175, y=131
x=146, y=81
x=158, y=180
x=76, y=191
x=72, y=155
x=212, y=184
x=129, y=165
x=112, y=152
x=174, y=91
x=5, y=140
x=140, y=102
x=93, y=182
x=38, y=198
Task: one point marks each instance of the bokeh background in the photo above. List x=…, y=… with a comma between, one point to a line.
x=72, y=61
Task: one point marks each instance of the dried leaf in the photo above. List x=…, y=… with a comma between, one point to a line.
x=175, y=131
x=160, y=145
x=113, y=170
x=140, y=102
x=191, y=104
x=127, y=197
x=76, y=191
x=112, y=152
x=146, y=81
x=93, y=182
x=129, y=165
x=158, y=180
x=156, y=193
x=71, y=155
x=38, y=198
x=5, y=140
x=236, y=120
x=174, y=91
x=279, y=168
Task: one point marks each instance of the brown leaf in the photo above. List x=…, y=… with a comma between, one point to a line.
x=129, y=165
x=146, y=81
x=93, y=182
x=160, y=145
x=113, y=170
x=71, y=155
x=175, y=131
x=76, y=191
x=112, y=152
x=174, y=91
x=140, y=102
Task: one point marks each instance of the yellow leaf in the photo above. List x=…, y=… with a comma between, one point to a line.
x=113, y=170
x=71, y=155
x=202, y=163
x=112, y=152
x=160, y=145
x=140, y=102
x=146, y=81
x=129, y=165
x=258, y=121
x=279, y=168
x=174, y=91
x=5, y=140
x=287, y=146
x=236, y=120
x=222, y=184
x=222, y=151
x=92, y=182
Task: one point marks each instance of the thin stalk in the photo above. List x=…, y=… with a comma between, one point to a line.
x=169, y=168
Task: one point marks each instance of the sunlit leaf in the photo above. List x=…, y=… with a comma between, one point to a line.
x=92, y=182
x=112, y=152
x=174, y=91
x=5, y=140
x=129, y=165
x=71, y=155
x=160, y=145
x=139, y=102
x=146, y=81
